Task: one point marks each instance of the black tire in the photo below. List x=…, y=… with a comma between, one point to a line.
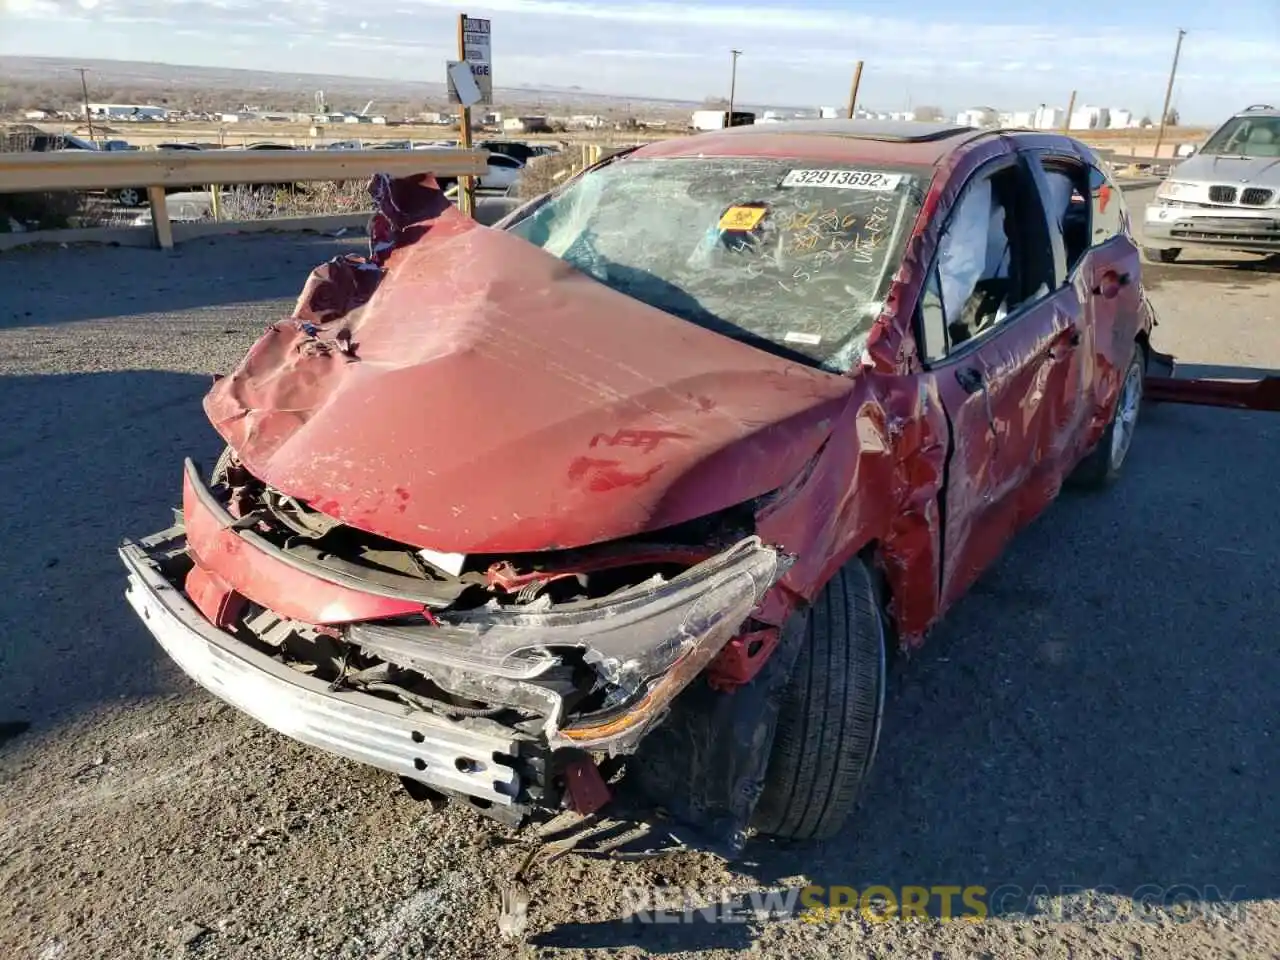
x=1162, y=254
x=829, y=721
x=1104, y=462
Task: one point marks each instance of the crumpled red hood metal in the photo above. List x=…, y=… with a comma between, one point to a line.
x=496, y=399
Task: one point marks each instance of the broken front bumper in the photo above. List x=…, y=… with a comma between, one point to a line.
x=408, y=742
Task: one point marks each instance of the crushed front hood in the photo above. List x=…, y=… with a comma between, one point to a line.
x=495, y=399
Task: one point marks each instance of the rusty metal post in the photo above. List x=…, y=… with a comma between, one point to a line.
x=1071, y=108
x=1168, y=95
x=853, y=92
x=733, y=84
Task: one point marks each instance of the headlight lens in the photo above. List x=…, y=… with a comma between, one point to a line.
x=1175, y=190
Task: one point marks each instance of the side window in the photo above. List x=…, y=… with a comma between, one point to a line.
x=1110, y=214
x=994, y=257
x=1068, y=206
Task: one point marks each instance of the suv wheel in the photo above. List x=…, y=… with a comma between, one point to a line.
x=1103, y=463
x=130, y=196
x=1162, y=254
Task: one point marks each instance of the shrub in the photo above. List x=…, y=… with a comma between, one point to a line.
x=541, y=174
x=38, y=211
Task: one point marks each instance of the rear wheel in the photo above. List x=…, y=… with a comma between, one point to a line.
x=829, y=722
x=130, y=196
x=1162, y=254
x=1103, y=463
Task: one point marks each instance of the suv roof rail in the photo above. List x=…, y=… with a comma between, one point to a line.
x=1258, y=106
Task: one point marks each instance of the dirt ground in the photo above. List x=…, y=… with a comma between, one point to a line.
x=1098, y=716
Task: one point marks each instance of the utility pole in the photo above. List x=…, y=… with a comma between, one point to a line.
x=1071, y=108
x=84, y=89
x=853, y=92
x=1168, y=94
x=733, y=83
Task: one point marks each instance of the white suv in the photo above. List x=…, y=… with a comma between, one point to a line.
x=1226, y=195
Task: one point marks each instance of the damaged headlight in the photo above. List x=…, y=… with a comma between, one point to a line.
x=644, y=643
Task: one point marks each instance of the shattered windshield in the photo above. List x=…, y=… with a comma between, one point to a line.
x=1246, y=137
x=792, y=256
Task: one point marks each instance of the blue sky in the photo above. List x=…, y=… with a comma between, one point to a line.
x=1001, y=53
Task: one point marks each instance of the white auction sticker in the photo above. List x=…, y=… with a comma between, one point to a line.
x=843, y=179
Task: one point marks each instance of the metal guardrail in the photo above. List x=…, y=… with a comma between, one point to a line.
x=156, y=170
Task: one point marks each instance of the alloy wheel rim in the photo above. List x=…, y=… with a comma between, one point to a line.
x=1126, y=415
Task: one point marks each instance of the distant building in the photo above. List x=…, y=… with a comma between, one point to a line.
x=827, y=113
x=526, y=125
x=1018, y=119
x=1122, y=120
x=125, y=111
x=1048, y=118
x=978, y=117
x=1090, y=118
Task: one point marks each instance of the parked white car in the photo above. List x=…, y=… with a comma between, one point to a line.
x=503, y=173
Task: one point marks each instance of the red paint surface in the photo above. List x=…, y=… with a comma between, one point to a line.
x=229, y=562
x=503, y=402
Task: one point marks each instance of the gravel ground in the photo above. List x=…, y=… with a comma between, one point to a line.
x=1099, y=714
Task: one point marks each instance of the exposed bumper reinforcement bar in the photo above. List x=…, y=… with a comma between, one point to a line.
x=354, y=725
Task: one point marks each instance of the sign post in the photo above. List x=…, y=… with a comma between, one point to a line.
x=470, y=82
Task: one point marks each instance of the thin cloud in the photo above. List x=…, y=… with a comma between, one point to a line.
x=794, y=53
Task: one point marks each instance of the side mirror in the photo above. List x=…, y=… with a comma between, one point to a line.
x=1185, y=150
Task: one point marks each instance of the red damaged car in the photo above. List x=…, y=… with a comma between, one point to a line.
x=630, y=494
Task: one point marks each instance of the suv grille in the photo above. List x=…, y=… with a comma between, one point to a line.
x=1255, y=196
x=1222, y=194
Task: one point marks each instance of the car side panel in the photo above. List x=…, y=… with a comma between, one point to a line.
x=1115, y=323
x=1011, y=440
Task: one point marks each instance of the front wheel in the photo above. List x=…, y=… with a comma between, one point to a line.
x=829, y=721
x=1103, y=463
x=1162, y=254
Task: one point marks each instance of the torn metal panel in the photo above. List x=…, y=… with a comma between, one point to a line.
x=488, y=352
x=644, y=644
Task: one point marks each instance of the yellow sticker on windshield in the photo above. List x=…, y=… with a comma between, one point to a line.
x=742, y=218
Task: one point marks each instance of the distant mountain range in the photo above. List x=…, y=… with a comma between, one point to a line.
x=178, y=78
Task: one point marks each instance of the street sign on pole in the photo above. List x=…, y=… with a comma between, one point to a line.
x=474, y=48
x=473, y=54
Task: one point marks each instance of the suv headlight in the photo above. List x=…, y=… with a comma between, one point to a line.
x=1175, y=190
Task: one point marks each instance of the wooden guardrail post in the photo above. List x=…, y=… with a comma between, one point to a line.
x=160, y=218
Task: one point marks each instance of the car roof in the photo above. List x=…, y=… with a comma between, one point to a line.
x=1259, y=109
x=904, y=142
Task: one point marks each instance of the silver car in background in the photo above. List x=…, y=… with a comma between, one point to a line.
x=1226, y=195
